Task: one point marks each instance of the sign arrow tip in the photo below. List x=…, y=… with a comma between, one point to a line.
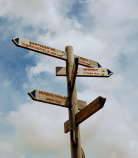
x=109, y=72
x=102, y=100
x=16, y=40
x=32, y=94
x=99, y=66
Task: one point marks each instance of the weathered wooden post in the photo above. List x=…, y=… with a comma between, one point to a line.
x=73, y=105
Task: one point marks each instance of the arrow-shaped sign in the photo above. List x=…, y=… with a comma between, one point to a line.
x=86, y=72
x=24, y=43
x=43, y=49
x=90, y=109
x=55, y=99
x=86, y=112
x=87, y=62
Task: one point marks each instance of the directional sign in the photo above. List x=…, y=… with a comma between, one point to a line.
x=55, y=99
x=86, y=112
x=86, y=72
x=90, y=109
x=74, y=72
x=87, y=62
x=24, y=43
x=43, y=49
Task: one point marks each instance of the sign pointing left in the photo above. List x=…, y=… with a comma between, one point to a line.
x=24, y=43
x=55, y=99
x=47, y=97
x=40, y=48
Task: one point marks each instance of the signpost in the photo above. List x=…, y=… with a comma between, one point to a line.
x=86, y=72
x=43, y=49
x=55, y=99
x=86, y=112
x=87, y=62
x=90, y=109
x=24, y=43
x=92, y=69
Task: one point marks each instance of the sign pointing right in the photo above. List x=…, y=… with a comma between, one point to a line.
x=86, y=72
x=86, y=112
x=90, y=109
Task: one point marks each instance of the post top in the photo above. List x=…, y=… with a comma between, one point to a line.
x=68, y=47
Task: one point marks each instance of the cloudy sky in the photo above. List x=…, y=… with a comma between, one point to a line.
x=105, y=31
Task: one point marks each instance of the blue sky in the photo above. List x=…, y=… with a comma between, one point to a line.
x=104, y=31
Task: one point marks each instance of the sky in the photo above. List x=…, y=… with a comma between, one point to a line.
x=101, y=30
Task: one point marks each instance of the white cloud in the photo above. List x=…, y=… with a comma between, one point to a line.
x=125, y=9
x=39, y=128
x=5, y=146
x=47, y=14
x=8, y=147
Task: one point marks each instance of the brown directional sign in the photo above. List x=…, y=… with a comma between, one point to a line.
x=74, y=72
x=55, y=99
x=86, y=112
x=86, y=72
x=24, y=43
x=90, y=109
x=46, y=50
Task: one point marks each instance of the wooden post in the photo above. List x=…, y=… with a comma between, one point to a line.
x=73, y=109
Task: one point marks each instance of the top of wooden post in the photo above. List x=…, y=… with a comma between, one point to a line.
x=68, y=47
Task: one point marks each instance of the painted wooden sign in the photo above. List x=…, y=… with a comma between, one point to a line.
x=55, y=99
x=46, y=50
x=87, y=62
x=90, y=109
x=43, y=49
x=86, y=112
x=86, y=72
